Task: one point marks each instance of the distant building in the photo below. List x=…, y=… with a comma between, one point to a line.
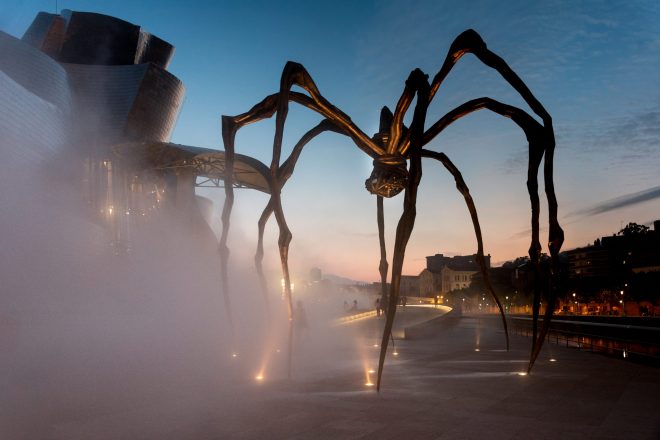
x=612, y=259
x=409, y=285
x=444, y=274
x=589, y=261
x=617, y=272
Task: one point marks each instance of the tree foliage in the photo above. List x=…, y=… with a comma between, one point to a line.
x=633, y=229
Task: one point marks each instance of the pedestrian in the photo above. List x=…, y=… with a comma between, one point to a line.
x=378, y=309
x=300, y=319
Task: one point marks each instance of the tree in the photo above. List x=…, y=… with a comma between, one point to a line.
x=516, y=263
x=633, y=229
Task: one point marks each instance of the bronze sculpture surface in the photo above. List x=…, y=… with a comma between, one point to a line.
x=397, y=153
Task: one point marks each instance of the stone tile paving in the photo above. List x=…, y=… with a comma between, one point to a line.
x=440, y=388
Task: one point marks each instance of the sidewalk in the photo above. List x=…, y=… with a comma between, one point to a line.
x=441, y=388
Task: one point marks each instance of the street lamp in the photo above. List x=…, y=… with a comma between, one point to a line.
x=623, y=305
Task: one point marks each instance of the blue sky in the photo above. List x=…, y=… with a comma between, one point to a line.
x=594, y=66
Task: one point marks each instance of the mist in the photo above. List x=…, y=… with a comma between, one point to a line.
x=100, y=344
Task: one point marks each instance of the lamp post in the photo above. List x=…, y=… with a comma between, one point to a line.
x=623, y=305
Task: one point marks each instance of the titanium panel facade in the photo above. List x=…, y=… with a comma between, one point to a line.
x=35, y=104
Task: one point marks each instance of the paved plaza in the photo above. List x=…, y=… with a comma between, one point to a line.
x=438, y=388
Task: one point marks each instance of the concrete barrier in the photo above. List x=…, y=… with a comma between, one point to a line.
x=432, y=327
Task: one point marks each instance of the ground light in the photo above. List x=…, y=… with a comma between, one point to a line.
x=368, y=381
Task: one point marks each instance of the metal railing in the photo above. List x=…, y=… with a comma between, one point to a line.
x=638, y=343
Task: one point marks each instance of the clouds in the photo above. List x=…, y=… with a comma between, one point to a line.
x=620, y=202
x=626, y=145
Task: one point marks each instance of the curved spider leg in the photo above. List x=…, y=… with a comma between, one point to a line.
x=419, y=82
x=382, y=136
x=470, y=41
x=286, y=170
x=230, y=126
x=535, y=134
x=554, y=245
x=397, y=128
x=296, y=74
x=283, y=242
x=382, y=266
x=259, y=255
x=465, y=191
x=555, y=242
x=555, y=232
x=386, y=120
x=271, y=104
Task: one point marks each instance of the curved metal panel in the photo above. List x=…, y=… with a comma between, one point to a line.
x=205, y=162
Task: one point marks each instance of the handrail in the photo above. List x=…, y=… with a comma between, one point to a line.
x=594, y=324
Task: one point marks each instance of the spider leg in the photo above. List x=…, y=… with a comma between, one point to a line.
x=296, y=74
x=230, y=126
x=259, y=255
x=464, y=190
x=397, y=128
x=226, y=214
x=283, y=243
x=278, y=104
x=470, y=41
x=285, y=171
x=539, y=140
x=386, y=120
x=536, y=135
x=383, y=266
x=403, y=232
x=556, y=239
x=419, y=82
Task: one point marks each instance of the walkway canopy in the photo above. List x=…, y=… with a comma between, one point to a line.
x=208, y=165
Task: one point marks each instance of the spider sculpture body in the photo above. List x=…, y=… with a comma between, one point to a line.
x=397, y=153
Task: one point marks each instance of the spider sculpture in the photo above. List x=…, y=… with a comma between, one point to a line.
x=397, y=153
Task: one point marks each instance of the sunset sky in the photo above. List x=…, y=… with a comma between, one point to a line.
x=595, y=66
